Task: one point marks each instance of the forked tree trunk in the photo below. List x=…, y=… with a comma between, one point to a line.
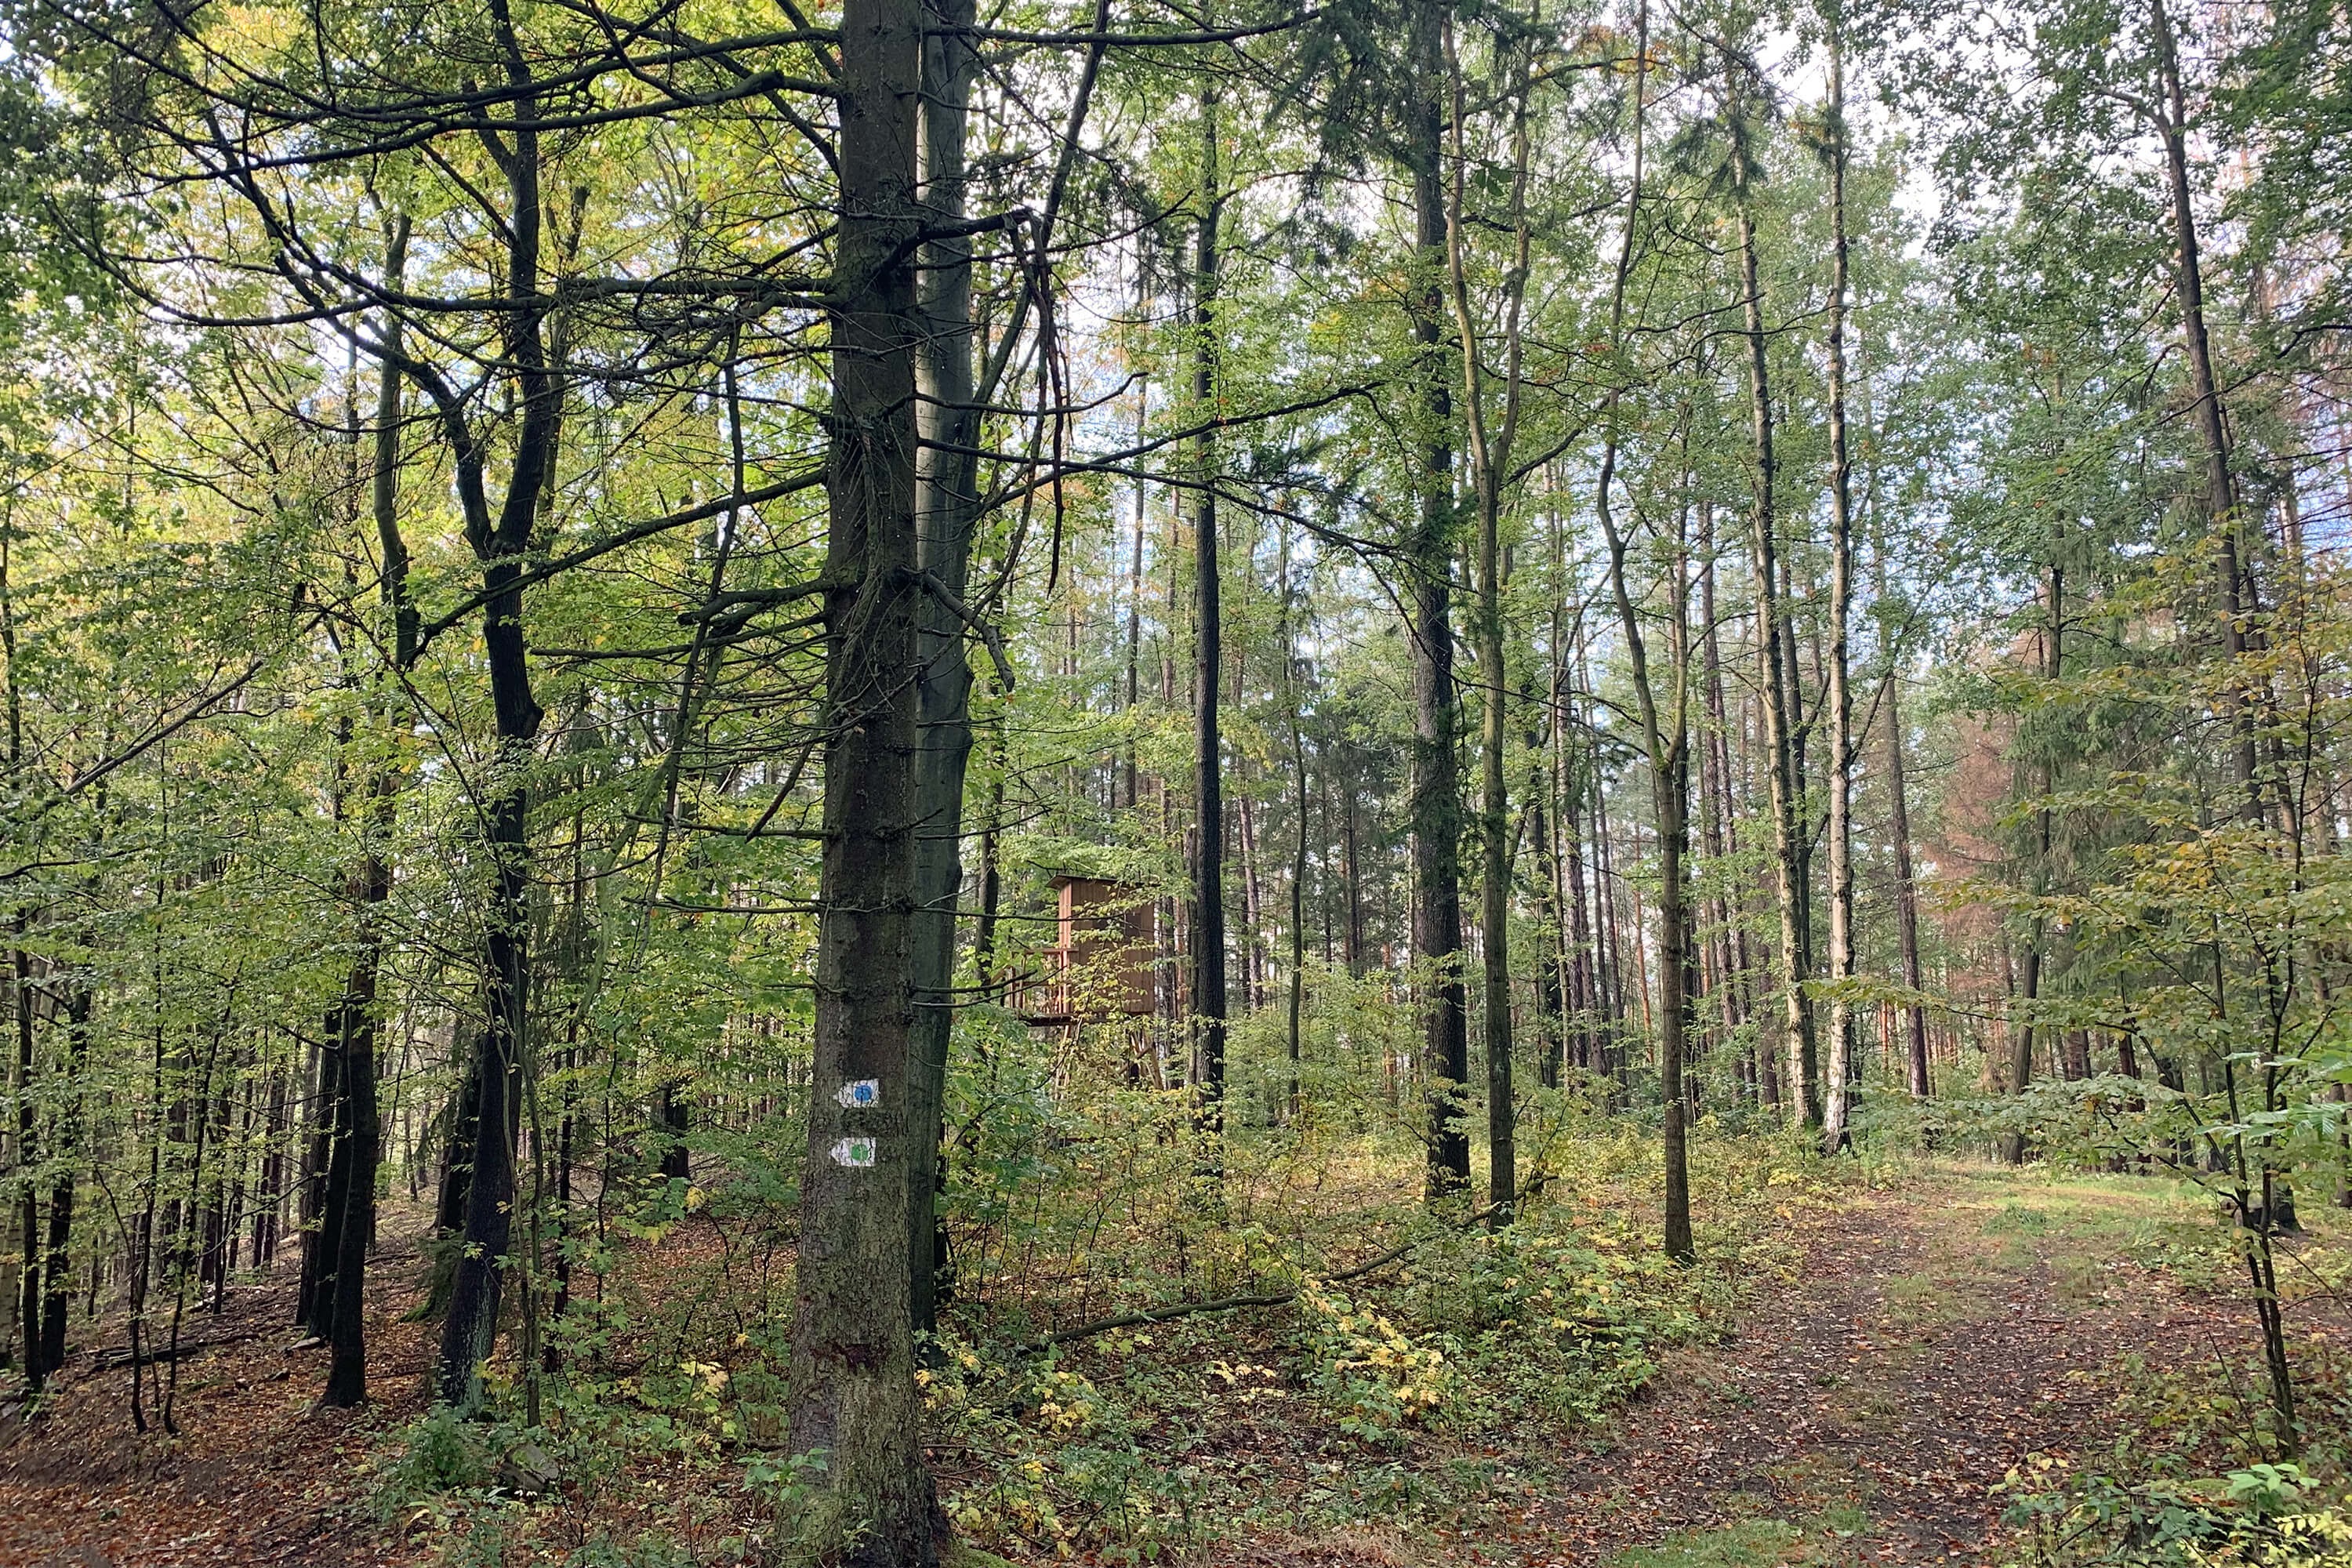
x=500, y=538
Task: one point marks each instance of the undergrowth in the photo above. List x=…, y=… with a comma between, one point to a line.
x=1411, y=1394
x=2199, y=1474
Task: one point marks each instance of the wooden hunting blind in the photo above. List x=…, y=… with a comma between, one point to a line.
x=1100, y=965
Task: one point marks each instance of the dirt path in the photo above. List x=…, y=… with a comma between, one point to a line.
x=1931, y=1340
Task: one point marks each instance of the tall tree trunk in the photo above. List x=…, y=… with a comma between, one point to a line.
x=57, y=1263
x=947, y=509
x=348, y=1222
x=1297, y=973
x=500, y=540
x=2221, y=491
x=1352, y=872
x=451, y=1195
x=1609, y=942
x=2022, y=1037
x=1583, y=999
x=267, y=1213
x=1834, y=1131
x=1490, y=444
x=992, y=876
x=1252, y=946
x=1907, y=887
x=1208, y=936
x=26, y=1306
x=28, y=1198
x=469, y=1331
x=1551, y=973
x=1714, y=796
x=1434, y=811
x=1665, y=737
x=852, y=1397
x=349, y=1218
x=1134, y=598
x=1789, y=858
x=314, y=1301
x=1495, y=864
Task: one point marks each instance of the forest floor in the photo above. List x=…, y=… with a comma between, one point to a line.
x=1937, y=1333
x=1936, y=1336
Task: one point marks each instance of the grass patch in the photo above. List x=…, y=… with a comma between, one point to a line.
x=1747, y=1544
x=1926, y=1300
x=2078, y=1277
x=2015, y=1218
x=1753, y=1542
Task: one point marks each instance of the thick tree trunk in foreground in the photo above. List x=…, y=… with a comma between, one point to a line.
x=853, y=1401
x=470, y=1329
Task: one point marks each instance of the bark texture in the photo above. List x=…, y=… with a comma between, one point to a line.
x=852, y=1403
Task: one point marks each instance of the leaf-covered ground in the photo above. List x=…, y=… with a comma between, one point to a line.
x=1925, y=1338
x=1936, y=1336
